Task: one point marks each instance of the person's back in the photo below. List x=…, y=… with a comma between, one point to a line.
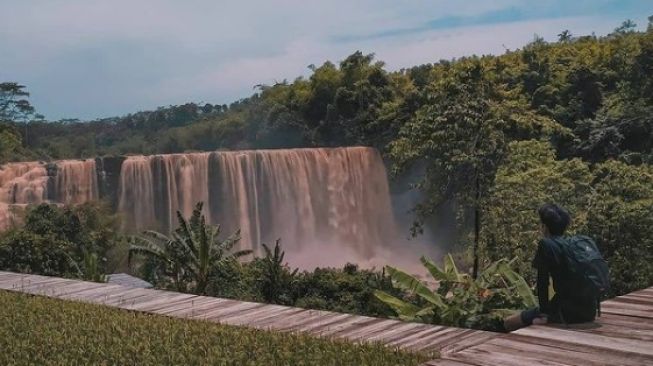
x=575, y=299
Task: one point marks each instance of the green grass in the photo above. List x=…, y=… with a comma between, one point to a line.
x=43, y=331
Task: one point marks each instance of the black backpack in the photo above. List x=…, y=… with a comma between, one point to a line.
x=587, y=272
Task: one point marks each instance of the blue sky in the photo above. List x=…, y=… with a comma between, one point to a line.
x=94, y=58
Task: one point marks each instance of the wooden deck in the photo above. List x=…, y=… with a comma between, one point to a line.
x=412, y=336
x=622, y=336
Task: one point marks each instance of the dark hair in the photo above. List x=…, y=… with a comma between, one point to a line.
x=555, y=218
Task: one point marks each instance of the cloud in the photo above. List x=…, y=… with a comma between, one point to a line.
x=91, y=59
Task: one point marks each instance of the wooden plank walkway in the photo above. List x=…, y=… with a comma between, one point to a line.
x=623, y=335
x=394, y=333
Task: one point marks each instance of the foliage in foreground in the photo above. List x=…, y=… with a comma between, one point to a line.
x=73, y=241
x=191, y=254
x=460, y=300
x=42, y=331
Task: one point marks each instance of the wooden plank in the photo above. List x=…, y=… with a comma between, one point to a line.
x=199, y=307
x=226, y=309
x=470, y=340
x=251, y=316
x=445, y=341
x=307, y=320
x=369, y=332
x=153, y=306
x=634, y=313
x=401, y=341
x=53, y=289
x=88, y=294
x=24, y=285
x=487, y=355
x=618, y=331
x=362, y=333
x=122, y=297
x=589, y=339
x=353, y=322
x=628, y=322
x=577, y=356
x=265, y=322
x=625, y=305
x=236, y=311
x=9, y=280
x=153, y=299
x=131, y=299
x=102, y=295
x=420, y=338
x=72, y=288
x=181, y=305
x=398, y=332
x=446, y=362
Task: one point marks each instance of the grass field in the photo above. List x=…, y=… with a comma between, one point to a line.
x=42, y=331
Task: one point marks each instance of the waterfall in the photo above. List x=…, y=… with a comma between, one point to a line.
x=310, y=198
x=324, y=203
x=20, y=184
x=64, y=182
x=75, y=182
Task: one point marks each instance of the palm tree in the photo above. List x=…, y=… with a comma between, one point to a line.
x=192, y=251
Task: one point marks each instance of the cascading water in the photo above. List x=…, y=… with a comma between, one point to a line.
x=65, y=182
x=20, y=184
x=310, y=198
x=327, y=206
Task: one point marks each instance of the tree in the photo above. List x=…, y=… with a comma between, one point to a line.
x=9, y=142
x=528, y=177
x=192, y=252
x=564, y=36
x=628, y=26
x=461, y=135
x=14, y=105
x=62, y=241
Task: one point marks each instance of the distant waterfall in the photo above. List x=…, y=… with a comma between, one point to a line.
x=303, y=196
x=321, y=202
x=66, y=182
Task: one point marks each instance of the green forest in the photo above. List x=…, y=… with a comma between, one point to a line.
x=569, y=122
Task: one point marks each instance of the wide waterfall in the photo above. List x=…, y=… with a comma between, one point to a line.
x=326, y=205
x=316, y=198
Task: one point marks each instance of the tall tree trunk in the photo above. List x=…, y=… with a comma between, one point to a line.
x=477, y=226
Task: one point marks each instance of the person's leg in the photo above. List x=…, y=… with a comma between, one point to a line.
x=524, y=319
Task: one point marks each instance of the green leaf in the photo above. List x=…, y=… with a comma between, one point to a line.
x=407, y=282
x=402, y=308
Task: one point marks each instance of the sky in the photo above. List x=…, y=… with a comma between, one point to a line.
x=90, y=59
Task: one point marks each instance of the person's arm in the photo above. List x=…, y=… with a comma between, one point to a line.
x=543, y=289
x=541, y=264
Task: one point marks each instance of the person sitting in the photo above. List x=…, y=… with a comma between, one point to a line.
x=577, y=269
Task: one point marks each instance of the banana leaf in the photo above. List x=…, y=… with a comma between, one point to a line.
x=404, y=281
x=515, y=280
x=404, y=310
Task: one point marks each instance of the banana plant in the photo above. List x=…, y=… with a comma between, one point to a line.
x=458, y=299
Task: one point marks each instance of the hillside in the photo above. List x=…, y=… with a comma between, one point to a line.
x=598, y=88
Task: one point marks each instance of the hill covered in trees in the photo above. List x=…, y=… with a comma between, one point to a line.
x=595, y=92
x=568, y=121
